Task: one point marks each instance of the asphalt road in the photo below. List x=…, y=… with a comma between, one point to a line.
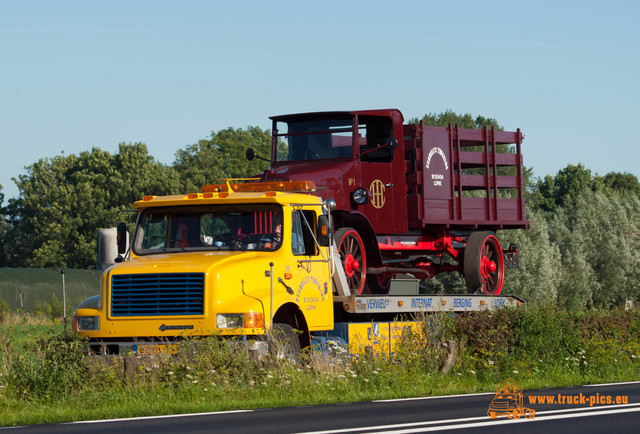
x=466, y=413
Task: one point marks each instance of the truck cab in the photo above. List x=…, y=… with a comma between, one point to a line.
x=236, y=259
x=353, y=157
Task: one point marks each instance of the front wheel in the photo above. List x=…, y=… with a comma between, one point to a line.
x=353, y=258
x=483, y=264
x=285, y=344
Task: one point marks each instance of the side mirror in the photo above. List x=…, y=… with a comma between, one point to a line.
x=122, y=238
x=323, y=231
x=250, y=154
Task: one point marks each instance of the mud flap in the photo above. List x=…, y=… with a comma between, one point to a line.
x=511, y=260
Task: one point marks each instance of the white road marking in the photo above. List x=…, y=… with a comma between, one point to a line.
x=434, y=397
x=505, y=421
x=446, y=424
x=164, y=416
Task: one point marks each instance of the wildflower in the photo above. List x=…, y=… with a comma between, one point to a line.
x=170, y=372
x=515, y=372
x=633, y=356
x=375, y=372
x=491, y=362
x=190, y=377
x=195, y=381
x=354, y=375
x=473, y=372
x=366, y=380
x=269, y=376
x=459, y=374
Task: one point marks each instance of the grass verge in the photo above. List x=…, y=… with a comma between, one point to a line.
x=45, y=377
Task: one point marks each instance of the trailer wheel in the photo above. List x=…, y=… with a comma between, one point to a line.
x=483, y=264
x=353, y=258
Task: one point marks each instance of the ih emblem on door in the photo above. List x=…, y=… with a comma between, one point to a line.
x=377, y=193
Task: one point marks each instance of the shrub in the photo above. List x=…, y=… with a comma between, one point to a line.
x=51, y=367
x=4, y=310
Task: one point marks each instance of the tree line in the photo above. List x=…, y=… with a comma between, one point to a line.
x=583, y=247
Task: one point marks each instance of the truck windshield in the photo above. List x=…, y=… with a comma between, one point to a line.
x=216, y=227
x=314, y=139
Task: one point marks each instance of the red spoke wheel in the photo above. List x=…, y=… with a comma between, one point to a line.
x=353, y=258
x=483, y=264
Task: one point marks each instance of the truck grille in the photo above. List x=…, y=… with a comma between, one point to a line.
x=169, y=294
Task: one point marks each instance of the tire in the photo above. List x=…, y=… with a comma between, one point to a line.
x=378, y=283
x=483, y=264
x=353, y=258
x=284, y=344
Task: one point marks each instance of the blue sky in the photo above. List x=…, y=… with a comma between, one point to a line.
x=80, y=74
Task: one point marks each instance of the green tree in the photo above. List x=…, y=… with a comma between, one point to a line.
x=3, y=231
x=464, y=121
x=64, y=200
x=621, y=182
x=538, y=276
x=551, y=192
x=222, y=156
x=598, y=239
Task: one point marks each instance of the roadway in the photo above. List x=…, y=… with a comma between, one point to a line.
x=462, y=413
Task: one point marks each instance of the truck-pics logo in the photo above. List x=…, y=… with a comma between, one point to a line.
x=508, y=402
x=377, y=193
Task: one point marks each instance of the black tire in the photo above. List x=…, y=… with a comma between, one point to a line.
x=483, y=264
x=285, y=344
x=353, y=258
x=378, y=283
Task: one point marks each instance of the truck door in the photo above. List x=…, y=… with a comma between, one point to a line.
x=376, y=153
x=310, y=276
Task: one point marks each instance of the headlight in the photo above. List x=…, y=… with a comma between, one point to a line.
x=239, y=320
x=360, y=196
x=87, y=323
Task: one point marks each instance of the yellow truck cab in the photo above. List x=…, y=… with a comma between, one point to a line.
x=234, y=259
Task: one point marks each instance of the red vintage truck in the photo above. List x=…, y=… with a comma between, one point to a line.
x=410, y=198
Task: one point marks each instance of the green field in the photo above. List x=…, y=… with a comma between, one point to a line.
x=45, y=377
x=28, y=289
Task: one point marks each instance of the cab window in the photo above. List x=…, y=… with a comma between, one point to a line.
x=302, y=238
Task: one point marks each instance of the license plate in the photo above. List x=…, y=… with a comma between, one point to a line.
x=156, y=349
